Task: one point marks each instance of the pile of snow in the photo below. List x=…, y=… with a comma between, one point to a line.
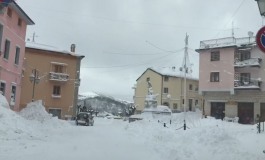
x=3, y=102
x=30, y=123
x=35, y=111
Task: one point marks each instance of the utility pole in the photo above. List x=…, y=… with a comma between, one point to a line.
x=185, y=69
x=34, y=36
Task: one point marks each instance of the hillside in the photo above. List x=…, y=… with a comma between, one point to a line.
x=103, y=103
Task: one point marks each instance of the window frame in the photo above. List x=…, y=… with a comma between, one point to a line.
x=9, y=12
x=215, y=55
x=190, y=87
x=57, y=90
x=215, y=77
x=166, y=78
x=17, y=55
x=4, y=87
x=165, y=90
x=7, y=49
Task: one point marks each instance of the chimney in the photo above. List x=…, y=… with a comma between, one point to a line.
x=73, y=48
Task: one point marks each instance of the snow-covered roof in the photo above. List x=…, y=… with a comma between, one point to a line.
x=170, y=71
x=226, y=42
x=45, y=47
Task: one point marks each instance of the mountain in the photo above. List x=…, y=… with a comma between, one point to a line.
x=103, y=103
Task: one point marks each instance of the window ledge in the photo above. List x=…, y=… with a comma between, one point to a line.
x=56, y=96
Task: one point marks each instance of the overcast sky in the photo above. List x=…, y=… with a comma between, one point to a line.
x=122, y=38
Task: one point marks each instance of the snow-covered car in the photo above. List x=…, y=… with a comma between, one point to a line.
x=84, y=118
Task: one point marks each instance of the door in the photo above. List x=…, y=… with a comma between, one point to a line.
x=217, y=109
x=55, y=112
x=246, y=112
x=190, y=104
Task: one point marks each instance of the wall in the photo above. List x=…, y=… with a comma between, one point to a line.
x=10, y=73
x=41, y=60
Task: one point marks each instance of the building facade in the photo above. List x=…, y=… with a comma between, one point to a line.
x=168, y=85
x=57, y=77
x=231, y=78
x=13, y=25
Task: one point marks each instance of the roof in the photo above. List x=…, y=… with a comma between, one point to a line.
x=169, y=71
x=227, y=42
x=21, y=13
x=43, y=47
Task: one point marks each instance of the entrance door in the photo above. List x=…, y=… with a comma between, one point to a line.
x=190, y=104
x=246, y=112
x=55, y=112
x=217, y=109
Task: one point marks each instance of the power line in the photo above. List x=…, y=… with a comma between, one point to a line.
x=232, y=17
x=164, y=49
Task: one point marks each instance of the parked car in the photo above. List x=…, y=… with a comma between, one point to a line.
x=84, y=118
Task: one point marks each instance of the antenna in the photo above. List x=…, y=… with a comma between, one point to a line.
x=233, y=32
x=34, y=36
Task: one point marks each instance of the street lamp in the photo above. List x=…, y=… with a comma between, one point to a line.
x=34, y=78
x=261, y=4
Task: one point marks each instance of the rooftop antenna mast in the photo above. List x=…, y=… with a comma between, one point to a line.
x=185, y=69
x=34, y=36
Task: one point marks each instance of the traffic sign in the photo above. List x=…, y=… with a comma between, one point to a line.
x=260, y=39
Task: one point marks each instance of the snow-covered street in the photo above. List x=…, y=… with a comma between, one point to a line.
x=33, y=134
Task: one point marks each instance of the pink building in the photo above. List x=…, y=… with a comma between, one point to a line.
x=13, y=25
x=231, y=78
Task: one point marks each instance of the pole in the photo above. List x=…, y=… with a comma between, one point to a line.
x=185, y=78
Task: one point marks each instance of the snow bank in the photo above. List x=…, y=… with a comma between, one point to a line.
x=3, y=102
x=30, y=123
x=35, y=111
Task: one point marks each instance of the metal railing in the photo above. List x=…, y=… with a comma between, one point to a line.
x=59, y=76
x=229, y=41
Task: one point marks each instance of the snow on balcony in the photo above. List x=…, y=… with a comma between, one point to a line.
x=247, y=62
x=253, y=84
x=225, y=42
x=59, y=76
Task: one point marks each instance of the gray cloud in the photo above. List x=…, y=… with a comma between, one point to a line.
x=121, y=38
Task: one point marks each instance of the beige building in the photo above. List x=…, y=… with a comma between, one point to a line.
x=57, y=78
x=168, y=84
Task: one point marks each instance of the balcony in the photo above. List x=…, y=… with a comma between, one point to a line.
x=251, y=85
x=63, y=77
x=225, y=42
x=252, y=62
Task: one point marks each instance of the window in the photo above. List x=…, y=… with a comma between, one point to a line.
x=196, y=88
x=148, y=79
x=245, y=55
x=56, y=90
x=2, y=88
x=196, y=102
x=7, y=48
x=58, y=68
x=166, y=78
x=214, y=77
x=215, y=56
x=245, y=78
x=19, y=22
x=190, y=87
x=175, y=106
x=9, y=12
x=165, y=90
x=13, y=95
x=17, y=55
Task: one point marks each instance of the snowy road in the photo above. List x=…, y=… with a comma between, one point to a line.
x=105, y=140
x=34, y=135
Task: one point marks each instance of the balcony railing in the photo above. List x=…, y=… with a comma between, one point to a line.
x=254, y=62
x=253, y=84
x=229, y=41
x=59, y=76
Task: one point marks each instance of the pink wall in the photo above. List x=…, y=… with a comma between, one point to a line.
x=10, y=72
x=225, y=67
